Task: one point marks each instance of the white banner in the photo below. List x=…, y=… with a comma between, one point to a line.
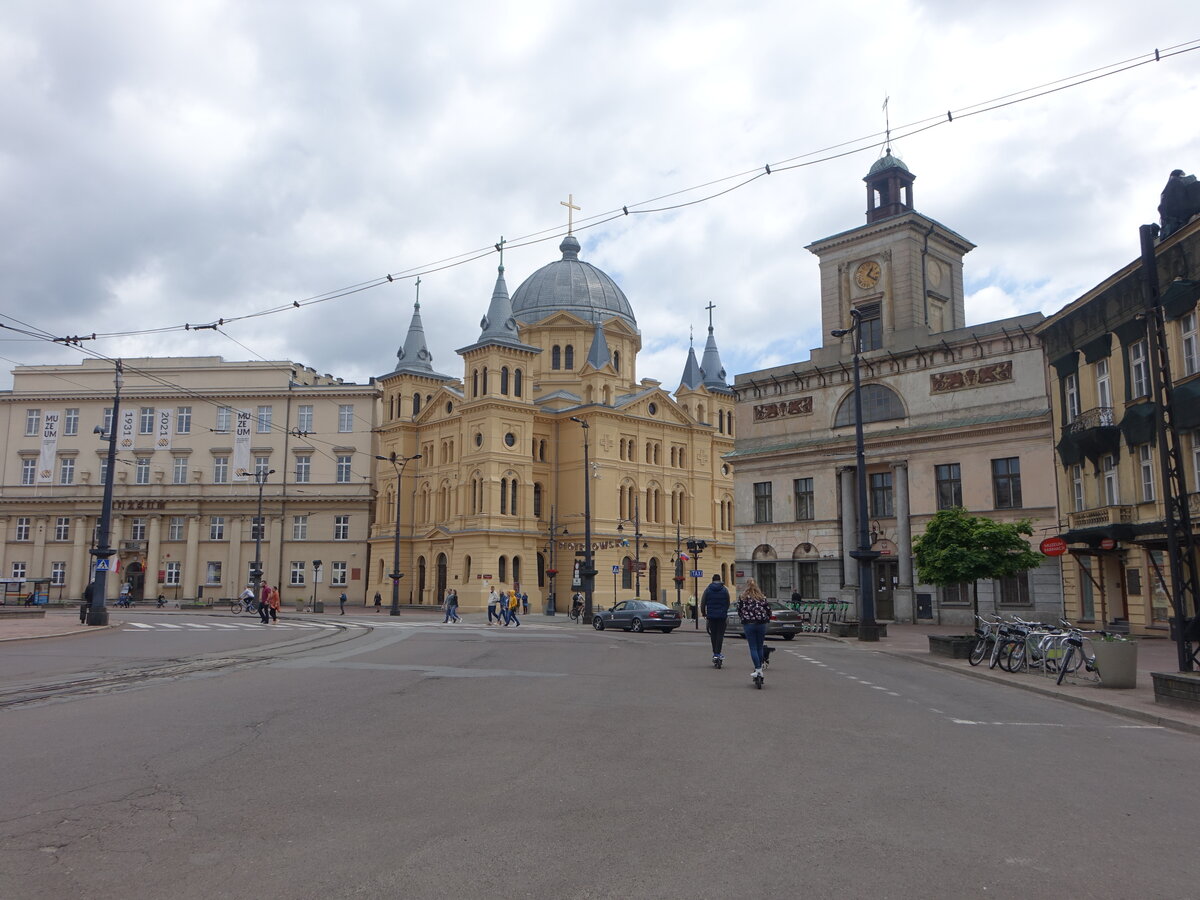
x=166, y=418
x=127, y=426
x=241, y=445
x=50, y=427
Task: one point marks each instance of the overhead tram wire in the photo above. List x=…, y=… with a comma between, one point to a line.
x=858, y=144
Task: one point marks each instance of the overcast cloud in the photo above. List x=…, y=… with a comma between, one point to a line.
x=166, y=163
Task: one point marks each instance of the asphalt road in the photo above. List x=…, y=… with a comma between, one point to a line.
x=421, y=761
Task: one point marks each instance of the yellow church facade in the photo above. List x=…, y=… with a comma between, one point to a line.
x=491, y=464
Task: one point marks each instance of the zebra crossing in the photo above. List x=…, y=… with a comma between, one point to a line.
x=256, y=625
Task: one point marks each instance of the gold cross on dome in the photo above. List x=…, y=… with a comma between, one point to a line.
x=569, y=203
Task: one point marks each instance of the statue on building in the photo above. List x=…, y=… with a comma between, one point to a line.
x=1180, y=201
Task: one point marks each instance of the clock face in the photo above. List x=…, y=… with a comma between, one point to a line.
x=866, y=276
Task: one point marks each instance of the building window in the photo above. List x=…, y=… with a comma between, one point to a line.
x=343, y=469
x=1077, y=497
x=1191, y=345
x=179, y=471
x=303, y=469
x=142, y=470
x=956, y=595
x=503, y=496
x=258, y=528
x=1146, y=467
x=33, y=423
x=569, y=358
x=18, y=571
x=1006, y=482
x=299, y=528
x=62, y=528
x=345, y=417
x=1139, y=370
x=173, y=574
x=762, y=502
x=297, y=573
x=805, y=501
x=766, y=578
x=1112, y=487
x=879, y=404
x=304, y=418
x=1071, y=397
x=1014, y=590
x=504, y=380
x=537, y=500
x=516, y=382
x=264, y=419
x=881, y=494
x=555, y=359
x=808, y=581
x=146, y=420
x=137, y=529
x=107, y=421
x=22, y=528
x=416, y=403
x=341, y=528
x=66, y=470
x=1196, y=460
x=337, y=574
x=220, y=470
x=183, y=420
x=224, y=414
x=262, y=465
x=175, y=528
x=1103, y=385
x=212, y=572
x=71, y=421
x=216, y=528
x=949, y=485
x=104, y=470
x=870, y=328
x=58, y=573
x=29, y=471
x=616, y=361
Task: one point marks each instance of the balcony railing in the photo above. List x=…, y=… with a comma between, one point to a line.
x=1099, y=417
x=1105, y=515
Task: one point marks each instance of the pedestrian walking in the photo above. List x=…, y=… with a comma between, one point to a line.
x=264, y=604
x=514, y=604
x=88, y=592
x=715, y=606
x=524, y=603
x=273, y=603
x=493, y=606
x=755, y=613
x=450, y=604
x=378, y=601
x=342, y=602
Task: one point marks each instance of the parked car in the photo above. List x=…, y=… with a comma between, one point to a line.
x=785, y=621
x=637, y=615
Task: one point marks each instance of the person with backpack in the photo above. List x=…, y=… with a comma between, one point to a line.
x=342, y=602
x=714, y=604
x=755, y=613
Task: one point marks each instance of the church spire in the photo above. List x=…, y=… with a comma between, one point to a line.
x=414, y=358
x=710, y=366
x=599, y=356
x=692, y=376
x=499, y=326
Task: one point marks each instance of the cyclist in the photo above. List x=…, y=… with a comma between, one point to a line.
x=576, y=605
x=715, y=606
x=248, y=598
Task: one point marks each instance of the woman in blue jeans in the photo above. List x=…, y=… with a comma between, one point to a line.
x=755, y=613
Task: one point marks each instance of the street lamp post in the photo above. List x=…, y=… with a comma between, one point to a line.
x=868, y=628
x=316, y=580
x=587, y=574
x=696, y=547
x=97, y=613
x=398, y=463
x=636, y=521
x=260, y=476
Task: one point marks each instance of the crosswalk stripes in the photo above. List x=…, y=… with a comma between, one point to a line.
x=255, y=625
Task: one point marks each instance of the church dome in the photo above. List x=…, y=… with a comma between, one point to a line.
x=887, y=161
x=570, y=285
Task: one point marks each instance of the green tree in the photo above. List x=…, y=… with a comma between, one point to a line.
x=958, y=548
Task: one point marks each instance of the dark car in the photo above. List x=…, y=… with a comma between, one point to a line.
x=785, y=621
x=637, y=615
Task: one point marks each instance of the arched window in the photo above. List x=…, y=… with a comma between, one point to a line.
x=673, y=457
x=681, y=459
x=516, y=570
x=467, y=569
x=537, y=499
x=542, y=451
x=484, y=384
x=416, y=404
x=503, y=498
x=879, y=404
x=392, y=406
x=502, y=569
x=626, y=573
x=617, y=361
x=516, y=382
x=504, y=380
x=541, y=564
x=721, y=421
x=475, y=383
x=569, y=358
x=513, y=504
x=555, y=357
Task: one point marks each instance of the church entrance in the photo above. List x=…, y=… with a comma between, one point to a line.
x=441, y=578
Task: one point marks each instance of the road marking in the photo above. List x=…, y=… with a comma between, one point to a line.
x=1054, y=725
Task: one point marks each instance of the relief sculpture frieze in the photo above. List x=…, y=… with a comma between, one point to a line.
x=980, y=376
x=802, y=406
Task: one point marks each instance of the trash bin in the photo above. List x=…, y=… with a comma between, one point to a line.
x=1116, y=661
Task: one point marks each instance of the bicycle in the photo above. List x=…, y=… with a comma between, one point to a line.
x=575, y=613
x=1077, y=655
x=985, y=639
x=239, y=605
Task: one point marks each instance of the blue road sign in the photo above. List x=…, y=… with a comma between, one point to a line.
x=616, y=569
x=697, y=573
x=103, y=565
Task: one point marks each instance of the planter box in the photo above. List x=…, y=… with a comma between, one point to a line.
x=1116, y=661
x=850, y=629
x=955, y=646
x=1181, y=689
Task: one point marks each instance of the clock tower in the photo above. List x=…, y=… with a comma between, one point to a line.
x=901, y=270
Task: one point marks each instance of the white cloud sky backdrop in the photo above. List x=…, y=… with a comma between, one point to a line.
x=178, y=162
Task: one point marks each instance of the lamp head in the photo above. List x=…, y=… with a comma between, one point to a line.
x=837, y=332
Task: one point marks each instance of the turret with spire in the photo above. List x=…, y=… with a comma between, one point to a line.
x=414, y=358
x=710, y=366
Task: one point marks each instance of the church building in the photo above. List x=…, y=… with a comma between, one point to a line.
x=491, y=464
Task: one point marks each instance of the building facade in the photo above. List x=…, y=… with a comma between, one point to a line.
x=1107, y=450
x=493, y=487
x=185, y=496
x=954, y=415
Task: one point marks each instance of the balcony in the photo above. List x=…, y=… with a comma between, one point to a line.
x=1101, y=517
x=1089, y=436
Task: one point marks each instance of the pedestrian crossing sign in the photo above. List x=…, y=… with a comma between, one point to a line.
x=103, y=565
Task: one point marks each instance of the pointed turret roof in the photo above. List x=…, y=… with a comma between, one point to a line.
x=599, y=356
x=499, y=326
x=414, y=357
x=711, y=368
x=692, y=376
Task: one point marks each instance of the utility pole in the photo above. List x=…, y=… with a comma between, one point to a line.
x=97, y=612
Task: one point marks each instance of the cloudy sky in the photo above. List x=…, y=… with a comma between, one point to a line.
x=171, y=163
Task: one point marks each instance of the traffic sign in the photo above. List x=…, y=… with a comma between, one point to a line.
x=616, y=569
x=697, y=573
x=1054, y=546
x=1108, y=544
x=103, y=565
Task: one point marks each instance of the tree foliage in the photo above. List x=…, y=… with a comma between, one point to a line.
x=958, y=548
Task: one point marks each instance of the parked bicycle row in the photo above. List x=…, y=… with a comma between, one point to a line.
x=1060, y=651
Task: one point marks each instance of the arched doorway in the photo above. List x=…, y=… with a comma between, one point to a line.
x=441, y=577
x=653, y=579
x=764, y=570
x=420, y=579
x=136, y=576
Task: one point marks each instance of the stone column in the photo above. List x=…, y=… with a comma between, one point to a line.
x=37, y=562
x=80, y=567
x=191, y=575
x=150, y=586
x=4, y=570
x=903, y=542
x=849, y=525
x=237, y=528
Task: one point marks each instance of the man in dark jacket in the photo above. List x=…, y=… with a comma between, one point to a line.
x=715, y=607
